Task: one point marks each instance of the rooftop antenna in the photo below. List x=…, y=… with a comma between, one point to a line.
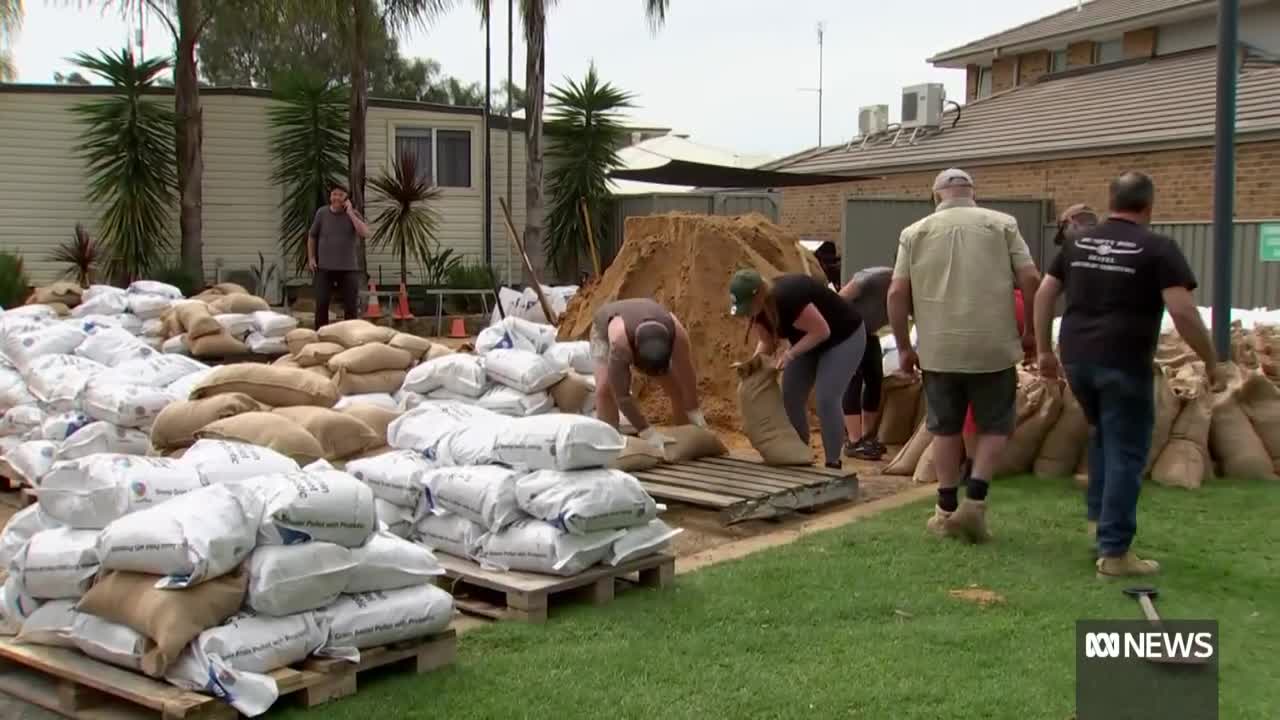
x=818, y=90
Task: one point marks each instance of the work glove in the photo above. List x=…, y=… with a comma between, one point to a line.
x=696, y=418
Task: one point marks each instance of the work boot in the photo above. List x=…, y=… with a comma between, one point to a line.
x=1125, y=566
x=939, y=524
x=970, y=520
x=867, y=448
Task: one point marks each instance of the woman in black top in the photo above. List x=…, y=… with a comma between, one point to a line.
x=826, y=341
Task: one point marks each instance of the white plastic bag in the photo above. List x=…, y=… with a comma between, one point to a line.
x=231, y=661
x=528, y=333
x=273, y=324
x=59, y=380
x=575, y=356
x=196, y=537
x=537, y=546
x=498, y=337
x=13, y=390
x=182, y=387
x=158, y=371
x=459, y=373
x=585, y=501
x=101, y=437
x=263, y=345
x=395, y=477
x=423, y=428
x=148, y=307
x=23, y=421
x=113, y=346
x=388, y=562
x=485, y=494
x=513, y=403
x=21, y=528
x=220, y=461
x=326, y=506
x=25, y=347
x=176, y=345
x=32, y=460
x=57, y=428
x=284, y=580
x=364, y=620
x=521, y=370
x=642, y=541
x=154, y=287
x=111, y=643
x=557, y=442
x=53, y=624
x=15, y=606
x=105, y=303
x=452, y=534
x=394, y=519
x=125, y=405
x=237, y=325
x=93, y=491
x=382, y=400
x=57, y=564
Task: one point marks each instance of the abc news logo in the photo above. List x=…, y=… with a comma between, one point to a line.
x=1149, y=645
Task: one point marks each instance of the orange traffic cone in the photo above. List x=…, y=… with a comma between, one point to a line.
x=457, y=328
x=374, y=311
x=402, y=306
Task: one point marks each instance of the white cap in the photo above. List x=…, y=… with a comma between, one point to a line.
x=952, y=177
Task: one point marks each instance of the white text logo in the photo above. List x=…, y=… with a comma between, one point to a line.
x=1149, y=645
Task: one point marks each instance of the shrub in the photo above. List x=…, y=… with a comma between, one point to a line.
x=14, y=286
x=180, y=278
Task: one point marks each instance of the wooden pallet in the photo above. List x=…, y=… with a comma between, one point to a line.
x=77, y=686
x=528, y=596
x=744, y=489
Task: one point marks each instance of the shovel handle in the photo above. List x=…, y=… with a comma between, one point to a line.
x=1148, y=608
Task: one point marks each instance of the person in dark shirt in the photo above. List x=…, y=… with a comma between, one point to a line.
x=1118, y=278
x=333, y=254
x=826, y=340
x=868, y=290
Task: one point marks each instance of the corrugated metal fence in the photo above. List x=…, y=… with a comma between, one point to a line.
x=1253, y=283
x=705, y=203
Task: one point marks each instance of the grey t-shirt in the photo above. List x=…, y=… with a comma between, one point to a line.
x=872, y=302
x=336, y=245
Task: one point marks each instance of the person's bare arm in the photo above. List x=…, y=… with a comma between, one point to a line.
x=1028, y=278
x=899, y=306
x=815, y=327
x=851, y=289
x=1045, y=298
x=362, y=229
x=311, y=252
x=1186, y=318
x=682, y=367
x=766, y=341
x=620, y=375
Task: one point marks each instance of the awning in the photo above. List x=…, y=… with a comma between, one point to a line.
x=684, y=172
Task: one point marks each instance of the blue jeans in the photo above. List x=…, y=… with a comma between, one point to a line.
x=1120, y=407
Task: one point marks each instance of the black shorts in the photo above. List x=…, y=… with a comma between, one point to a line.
x=993, y=396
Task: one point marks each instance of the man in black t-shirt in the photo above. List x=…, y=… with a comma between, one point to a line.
x=1119, y=277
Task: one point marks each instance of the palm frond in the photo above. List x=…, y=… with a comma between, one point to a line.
x=402, y=15
x=407, y=221
x=655, y=11
x=81, y=254
x=127, y=143
x=584, y=132
x=309, y=148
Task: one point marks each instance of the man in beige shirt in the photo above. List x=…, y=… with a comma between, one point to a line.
x=955, y=275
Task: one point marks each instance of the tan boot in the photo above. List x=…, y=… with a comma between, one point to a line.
x=970, y=520
x=939, y=524
x=1126, y=566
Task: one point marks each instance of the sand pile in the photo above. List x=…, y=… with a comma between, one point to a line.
x=685, y=262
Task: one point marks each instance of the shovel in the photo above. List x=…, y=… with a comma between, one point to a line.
x=1144, y=595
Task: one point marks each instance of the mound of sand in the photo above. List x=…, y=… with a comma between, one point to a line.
x=685, y=262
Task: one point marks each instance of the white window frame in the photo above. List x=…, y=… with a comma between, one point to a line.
x=985, y=72
x=395, y=127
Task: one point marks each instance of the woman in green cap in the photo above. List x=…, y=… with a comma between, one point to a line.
x=825, y=337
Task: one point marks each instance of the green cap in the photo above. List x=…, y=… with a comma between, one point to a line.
x=742, y=290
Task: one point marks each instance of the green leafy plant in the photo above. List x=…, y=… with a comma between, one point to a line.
x=14, y=285
x=128, y=144
x=467, y=276
x=406, y=221
x=81, y=254
x=437, y=268
x=179, y=277
x=309, y=148
x=584, y=133
x=263, y=275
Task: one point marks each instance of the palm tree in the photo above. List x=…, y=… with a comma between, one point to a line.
x=406, y=222
x=585, y=134
x=10, y=23
x=128, y=145
x=308, y=145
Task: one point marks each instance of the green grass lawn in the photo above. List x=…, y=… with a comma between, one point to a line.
x=857, y=623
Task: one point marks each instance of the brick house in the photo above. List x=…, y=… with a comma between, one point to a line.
x=1057, y=107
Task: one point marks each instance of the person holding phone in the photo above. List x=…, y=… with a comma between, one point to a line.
x=333, y=254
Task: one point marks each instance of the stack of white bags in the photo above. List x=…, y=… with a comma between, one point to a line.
x=324, y=577
x=526, y=306
x=529, y=494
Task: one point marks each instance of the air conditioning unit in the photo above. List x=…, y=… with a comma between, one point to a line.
x=873, y=119
x=922, y=105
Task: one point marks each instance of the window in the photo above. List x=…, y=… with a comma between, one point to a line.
x=443, y=156
x=1059, y=61
x=984, y=81
x=1109, y=51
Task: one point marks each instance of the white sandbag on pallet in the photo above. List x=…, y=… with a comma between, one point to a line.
x=537, y=546
x=102, y=437
x=23, y=421
x=93, y=491
x=57, y=564
x=13, y=390
x=263, y=345
x=557, y=442
x=513, y=403
x=125, y=405
x=219, y=461
x=388, y=562
x=15, y=606
x=423, y=428
x=158, y=371
x=109, y=642
x=199, y=536
x=237, y=325
x=182, y=387
x=23, y=348
x=57, y=428
x=575, y=356
x=273, y=324
x=154, y=328
x=231, y=661
x=147, y=306
x=585, y=501
x=521, y=370
x=176, y=345
x=52, y=624
x=447, y=533
x=59, y=380
x=326, y=506
x=288, y=579
x=104, y=304
x=395, y=477
x=22, y=527
x=154, y=287
x=642, y=541
x=32, y=460
x=113, y=346
x=517, y=333
x=364, y=620
x=485, y=494
x=458, y=373
x=382, y=400
x=394, y=519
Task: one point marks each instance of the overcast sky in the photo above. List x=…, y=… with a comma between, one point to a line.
x=730, y=73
